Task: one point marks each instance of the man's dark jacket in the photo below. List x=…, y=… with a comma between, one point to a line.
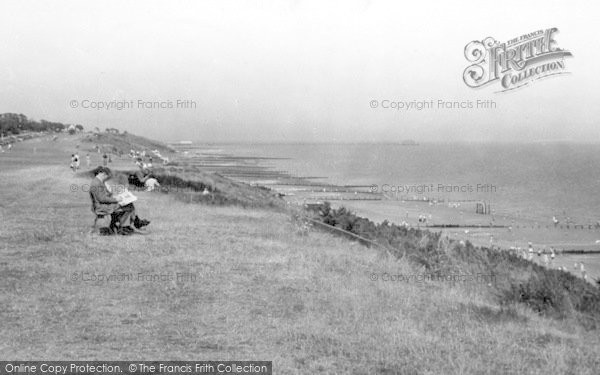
x=102, y=201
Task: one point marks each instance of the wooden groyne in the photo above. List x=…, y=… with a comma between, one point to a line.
x=464, y=226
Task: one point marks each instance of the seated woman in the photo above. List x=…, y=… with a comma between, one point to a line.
x=122, y=216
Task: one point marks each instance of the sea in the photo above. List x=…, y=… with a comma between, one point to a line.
x=546, y=192
x=540, y=181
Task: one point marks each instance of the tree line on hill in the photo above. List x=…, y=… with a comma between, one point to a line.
x=13, y=123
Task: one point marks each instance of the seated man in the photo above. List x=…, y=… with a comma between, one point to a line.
x=105, y=204
x=145, y=177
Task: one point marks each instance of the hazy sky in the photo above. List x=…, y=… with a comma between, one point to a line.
x=293, y=70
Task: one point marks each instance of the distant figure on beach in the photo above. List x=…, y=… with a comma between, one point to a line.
x=522, y=252
x=77, y=162
x=105, y=160
x=9, y=147
x=88, y=161
x=530, y=256
x=552, y=254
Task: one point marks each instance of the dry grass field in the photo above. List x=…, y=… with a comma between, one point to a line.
x=225, y=283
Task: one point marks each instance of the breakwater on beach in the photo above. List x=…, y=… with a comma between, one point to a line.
x=534, y=199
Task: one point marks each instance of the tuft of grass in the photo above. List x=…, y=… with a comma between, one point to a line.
x=48, y=232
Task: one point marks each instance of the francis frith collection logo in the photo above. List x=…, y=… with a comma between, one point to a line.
x=514, y=63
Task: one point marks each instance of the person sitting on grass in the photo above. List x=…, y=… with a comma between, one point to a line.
x=105, y=204
x=146, y=178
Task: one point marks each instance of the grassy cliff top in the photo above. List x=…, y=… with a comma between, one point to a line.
x=229, y=283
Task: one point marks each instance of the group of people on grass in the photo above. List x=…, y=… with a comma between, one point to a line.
x=145, y=177
x=146, y=157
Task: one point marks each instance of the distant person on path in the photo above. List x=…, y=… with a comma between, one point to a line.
x=121, y=216
x=9, y=147
x=104, y=160
x=72, y=166
x=76, y=161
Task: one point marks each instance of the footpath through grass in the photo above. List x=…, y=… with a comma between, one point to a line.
x=214, y=282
